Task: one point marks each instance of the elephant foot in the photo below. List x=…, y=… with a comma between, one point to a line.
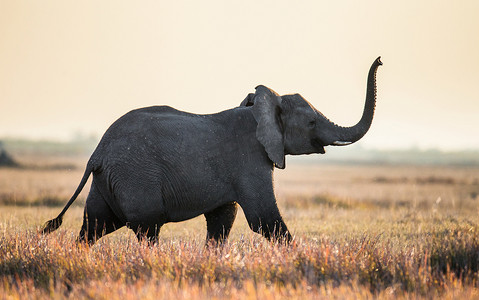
x=148, y=234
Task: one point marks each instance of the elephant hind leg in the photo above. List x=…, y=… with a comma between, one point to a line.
x=98, y=218
x=219, y=222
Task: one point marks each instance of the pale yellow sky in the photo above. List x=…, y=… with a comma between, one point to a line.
x=76, y=66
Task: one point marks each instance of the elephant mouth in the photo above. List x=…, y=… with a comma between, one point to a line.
x=318, y=146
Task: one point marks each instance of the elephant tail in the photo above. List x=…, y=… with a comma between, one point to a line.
x=53, y=224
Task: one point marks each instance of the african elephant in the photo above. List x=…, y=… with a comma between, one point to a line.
x=156, y=165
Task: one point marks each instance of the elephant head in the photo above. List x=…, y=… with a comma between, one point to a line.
x=291, y=125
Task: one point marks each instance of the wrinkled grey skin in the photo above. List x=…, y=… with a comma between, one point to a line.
x=157, y=165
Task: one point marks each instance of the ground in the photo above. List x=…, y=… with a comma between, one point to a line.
x=360, y=231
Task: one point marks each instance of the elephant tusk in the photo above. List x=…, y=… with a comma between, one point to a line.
x=341, y=143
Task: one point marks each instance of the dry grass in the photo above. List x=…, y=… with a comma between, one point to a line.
x=360, y=232
x=44, y=184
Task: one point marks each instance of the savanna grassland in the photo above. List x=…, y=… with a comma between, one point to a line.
x=361, y=231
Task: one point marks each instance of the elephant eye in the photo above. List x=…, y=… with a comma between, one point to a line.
x=311, y=124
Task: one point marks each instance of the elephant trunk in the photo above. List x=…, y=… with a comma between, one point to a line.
x=342, y=136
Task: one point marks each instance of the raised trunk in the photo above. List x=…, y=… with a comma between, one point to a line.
x=348, y=135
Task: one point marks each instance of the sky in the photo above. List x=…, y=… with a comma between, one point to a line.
x=74, y=67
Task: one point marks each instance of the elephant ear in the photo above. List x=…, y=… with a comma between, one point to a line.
x=266, y=111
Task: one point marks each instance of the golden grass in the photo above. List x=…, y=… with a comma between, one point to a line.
x=360, y=232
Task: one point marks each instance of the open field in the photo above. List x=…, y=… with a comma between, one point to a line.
x=360, y=232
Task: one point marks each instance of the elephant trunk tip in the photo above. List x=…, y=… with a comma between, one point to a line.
x=378, y=60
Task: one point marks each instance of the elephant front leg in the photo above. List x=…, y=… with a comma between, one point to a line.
x=263, y=217
x=270, y=225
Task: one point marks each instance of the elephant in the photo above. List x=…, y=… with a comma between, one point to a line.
x=156, y=165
